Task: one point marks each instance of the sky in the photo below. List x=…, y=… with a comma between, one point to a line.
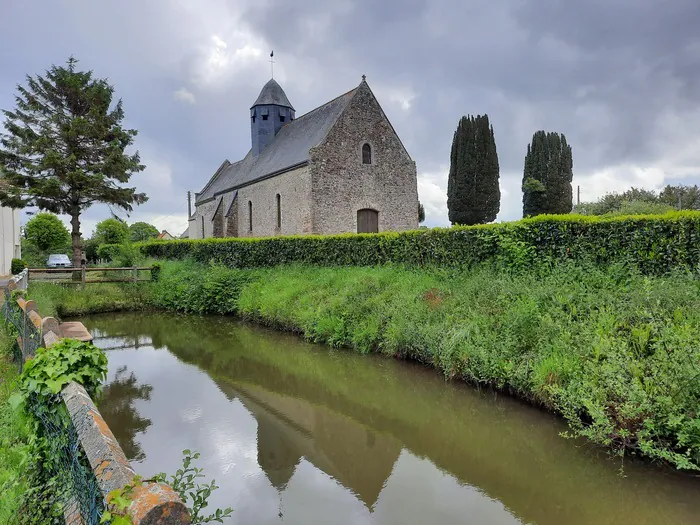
x=621, y=78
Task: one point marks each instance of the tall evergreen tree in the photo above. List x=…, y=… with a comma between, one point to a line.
x=473, y=194
x=64, y=149
x=547, y=175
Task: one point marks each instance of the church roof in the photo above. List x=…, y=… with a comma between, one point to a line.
x=272, y=93
x=288, y=150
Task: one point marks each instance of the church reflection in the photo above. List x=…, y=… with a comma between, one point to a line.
x=290, y=429
x=117, y=407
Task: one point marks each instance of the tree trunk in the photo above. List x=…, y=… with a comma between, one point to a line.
x=75, y=237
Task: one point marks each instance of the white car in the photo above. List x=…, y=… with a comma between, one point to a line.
x=58, y=260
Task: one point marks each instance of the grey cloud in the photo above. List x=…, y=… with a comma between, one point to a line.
x=606, y=73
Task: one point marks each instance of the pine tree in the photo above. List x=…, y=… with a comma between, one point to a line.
x=547, y=175
x=473, y=194
x=64, y=149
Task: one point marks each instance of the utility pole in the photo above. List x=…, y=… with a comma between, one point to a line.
x=578, y=195
x=189, y=205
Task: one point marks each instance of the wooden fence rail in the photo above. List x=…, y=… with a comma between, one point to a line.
x=134, y=278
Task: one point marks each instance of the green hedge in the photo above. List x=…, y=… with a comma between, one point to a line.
x=655, y=244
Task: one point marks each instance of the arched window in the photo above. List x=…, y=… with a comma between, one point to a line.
x=279, y=211
x=250, y=216
x=366, y=154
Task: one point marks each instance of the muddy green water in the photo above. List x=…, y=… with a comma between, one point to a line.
x=295, y=433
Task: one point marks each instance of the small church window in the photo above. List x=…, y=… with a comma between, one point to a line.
x=250, y=216
x=366, y=154
x=264, y=117
x=281, y=118
x=253, y=119
x=279, y=211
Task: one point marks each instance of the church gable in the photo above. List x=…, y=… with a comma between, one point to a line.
x=364, y=117
x=363, y=179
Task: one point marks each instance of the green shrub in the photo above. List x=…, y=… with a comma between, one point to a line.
x=108, y=252
x=155, y=271
x=125, y=254
x=193, y=288
x=654, y=244
x=17, y=266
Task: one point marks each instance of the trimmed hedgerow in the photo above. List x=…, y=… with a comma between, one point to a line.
x=654, y=244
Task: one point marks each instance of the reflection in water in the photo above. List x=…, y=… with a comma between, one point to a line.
x=294, y=433
x=117, y=405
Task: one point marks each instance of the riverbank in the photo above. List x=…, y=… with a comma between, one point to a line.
x=617, y=354
x=13, y=438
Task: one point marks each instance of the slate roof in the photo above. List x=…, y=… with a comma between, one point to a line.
x=289, y=149
x=272, y=93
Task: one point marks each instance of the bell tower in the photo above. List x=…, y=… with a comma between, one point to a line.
x=268, y=114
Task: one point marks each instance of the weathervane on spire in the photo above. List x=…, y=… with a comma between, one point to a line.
x=272, y=64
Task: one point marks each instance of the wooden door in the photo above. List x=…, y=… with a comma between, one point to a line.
x=367, y=221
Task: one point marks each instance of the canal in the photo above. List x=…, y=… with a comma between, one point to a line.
x=295, y=433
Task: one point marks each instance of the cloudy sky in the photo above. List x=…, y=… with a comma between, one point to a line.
x=621, y=78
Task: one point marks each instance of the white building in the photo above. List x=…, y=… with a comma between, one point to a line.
x=10, y=236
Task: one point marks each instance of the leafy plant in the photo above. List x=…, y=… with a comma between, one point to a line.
x=68, y=360
x=128, y=255
x=119, y=501
x=192, y=493
x=155, y=271
x=142, y=231
x=47, y=232
x=111, y=231
x=17, y=265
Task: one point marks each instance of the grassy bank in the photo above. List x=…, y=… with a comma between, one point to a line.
x=14, y=435
x=65, y=301
x=616, y=353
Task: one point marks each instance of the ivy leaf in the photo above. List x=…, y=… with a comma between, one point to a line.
x=16, y=401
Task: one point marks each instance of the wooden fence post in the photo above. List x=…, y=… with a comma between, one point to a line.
x=136, y=274
x=82, y=276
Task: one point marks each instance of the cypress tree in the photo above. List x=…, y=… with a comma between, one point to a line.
x=473, y=194
x=547, y=175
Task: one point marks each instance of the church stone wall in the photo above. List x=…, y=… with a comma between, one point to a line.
x=342, y=184
x=205, y=211
x=294, y=188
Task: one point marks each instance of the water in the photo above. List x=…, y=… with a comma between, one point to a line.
x=294, y=433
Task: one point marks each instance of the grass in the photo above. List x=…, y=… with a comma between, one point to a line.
x=14, y=436
x=73, y=300
x=614, y=352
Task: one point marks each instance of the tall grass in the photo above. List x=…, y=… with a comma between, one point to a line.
x=63, y=300
x=616, y=353
x=14, y=436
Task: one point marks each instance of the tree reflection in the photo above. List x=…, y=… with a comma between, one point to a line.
x=116, y=406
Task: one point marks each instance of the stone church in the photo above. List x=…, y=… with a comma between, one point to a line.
x=339, y=168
